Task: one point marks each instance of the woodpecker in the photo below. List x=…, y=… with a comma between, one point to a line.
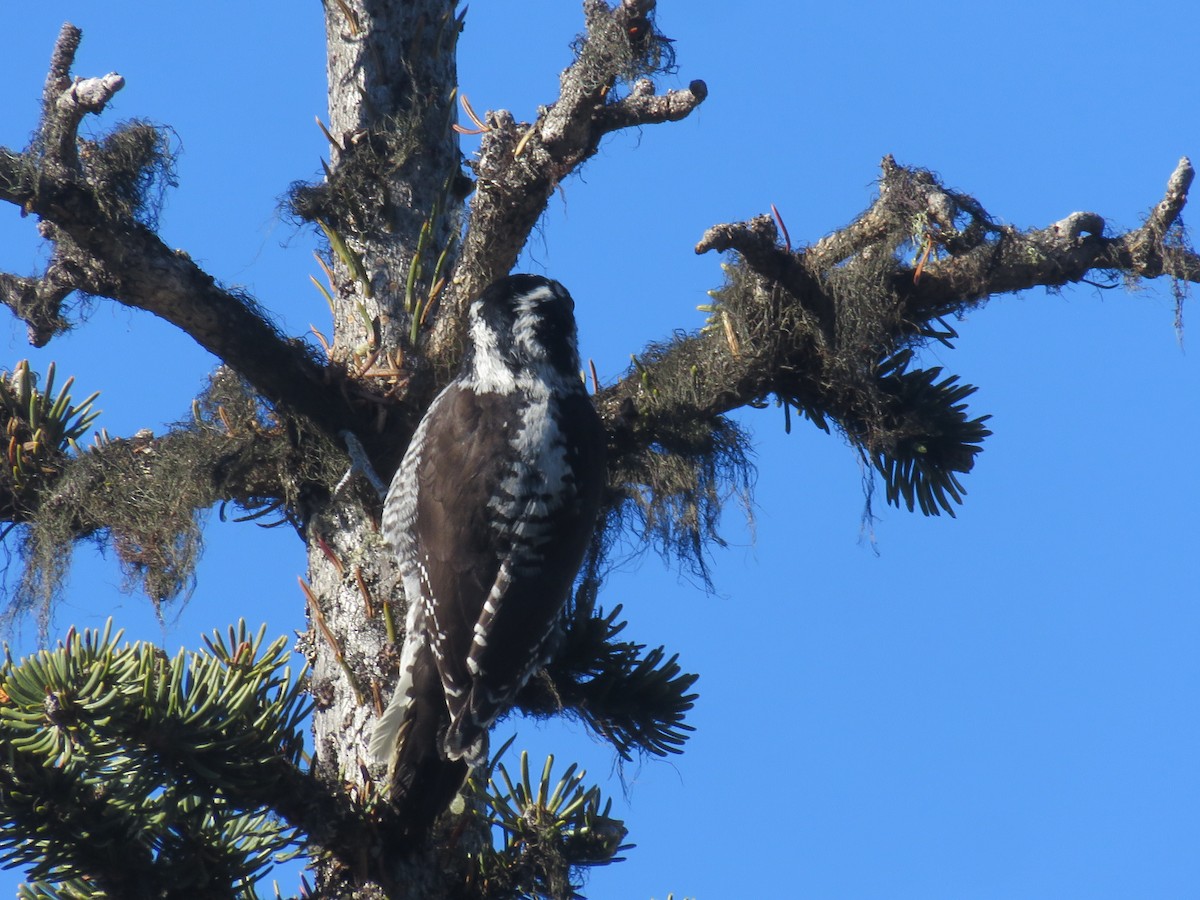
x=489, y=515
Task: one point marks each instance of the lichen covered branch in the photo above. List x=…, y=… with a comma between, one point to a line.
x=644, y=107
x=520, y=164
x=829, y=332
x=38, y=301
x=65, y=102
x=1062, y=253
x=96, y=209
x=147, y=493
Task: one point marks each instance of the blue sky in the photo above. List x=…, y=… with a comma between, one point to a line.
x=1000, y=705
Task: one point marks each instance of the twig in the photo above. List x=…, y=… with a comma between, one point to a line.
x=314, y=609
x=360, y=464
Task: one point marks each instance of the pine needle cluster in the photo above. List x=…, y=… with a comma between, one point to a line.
x=131, y=774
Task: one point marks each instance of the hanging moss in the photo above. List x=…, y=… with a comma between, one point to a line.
x=672, y=491
x=130, y=170
x=626, y=42
x=354, y=198
x=145, y=497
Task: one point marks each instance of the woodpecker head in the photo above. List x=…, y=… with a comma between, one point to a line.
x=521, y=323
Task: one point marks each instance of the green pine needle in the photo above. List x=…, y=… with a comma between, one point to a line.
x=547, y=830
x=126, y=767
x=637, y=699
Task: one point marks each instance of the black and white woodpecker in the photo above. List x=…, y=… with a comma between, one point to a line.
x=489, y=514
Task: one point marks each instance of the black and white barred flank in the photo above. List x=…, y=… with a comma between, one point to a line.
x=489, y=514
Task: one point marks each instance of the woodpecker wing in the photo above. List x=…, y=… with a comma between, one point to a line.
x=543, y=546
x=459, y=468
x=435, y=518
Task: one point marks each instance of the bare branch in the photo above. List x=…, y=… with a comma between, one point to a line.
x=106, y=251
x=37, y=301
x=1078, y=224
x=520, y=165
x=1163, y=216
x=89, y=95
x=62, y=58
x=1146, y=246
x=644, y=107
x=66, y=102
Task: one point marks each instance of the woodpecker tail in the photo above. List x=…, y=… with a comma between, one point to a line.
x=408, y=739
x=467, y=733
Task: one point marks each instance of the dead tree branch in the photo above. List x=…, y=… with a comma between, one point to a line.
x=520, y=164
x=829, y=330
x=102, y=248
x=38, y=301
x=1063, y=253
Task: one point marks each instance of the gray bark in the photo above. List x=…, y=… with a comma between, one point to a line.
x=391, y=71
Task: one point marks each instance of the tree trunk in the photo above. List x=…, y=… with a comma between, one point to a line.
x=394, y=164
x=395, y=159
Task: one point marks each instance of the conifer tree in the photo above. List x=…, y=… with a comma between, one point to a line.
x=129, y=774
